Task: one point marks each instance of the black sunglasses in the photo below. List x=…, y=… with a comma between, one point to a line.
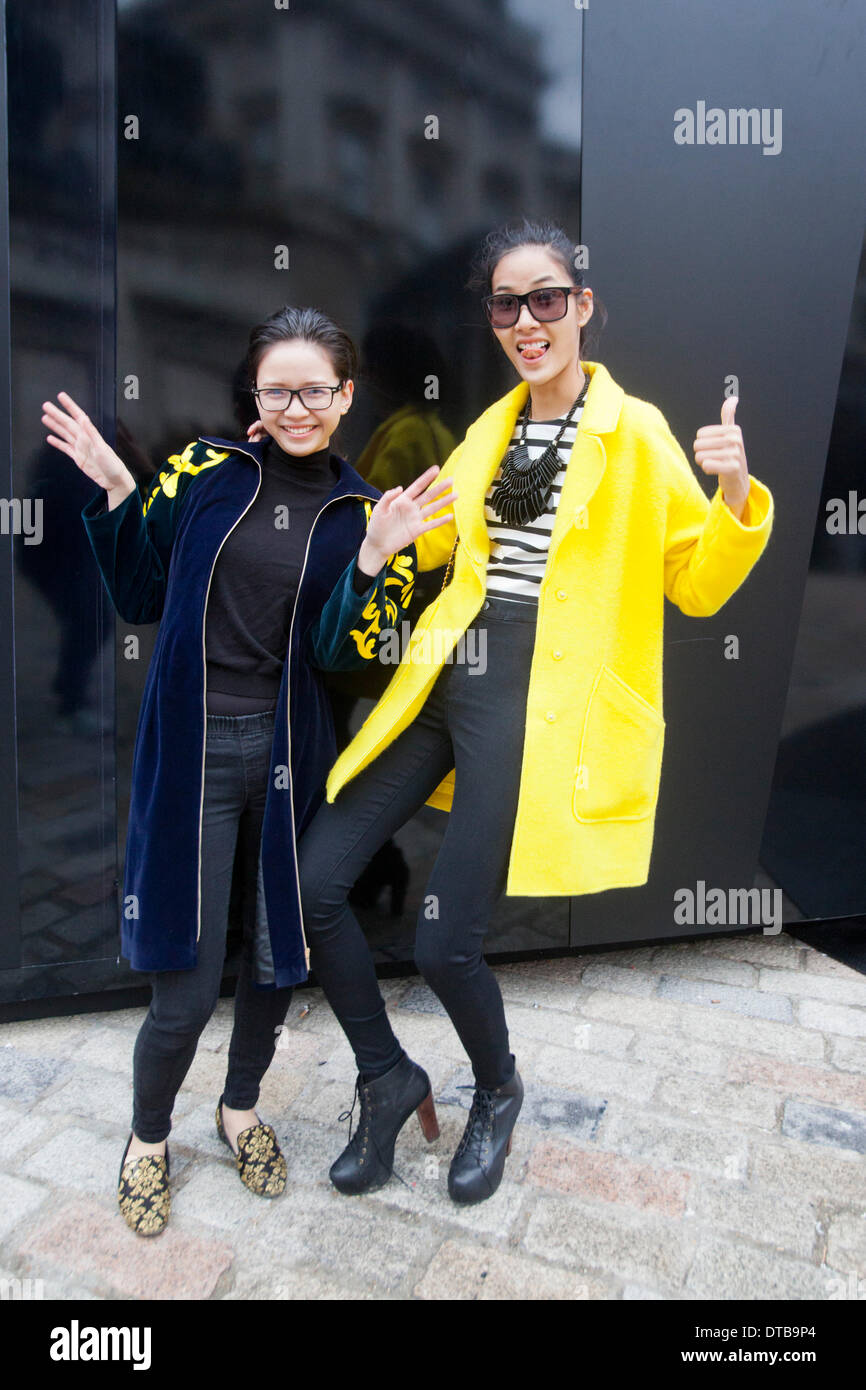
x=545, y=305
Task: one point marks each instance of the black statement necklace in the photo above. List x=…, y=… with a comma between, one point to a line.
x=525, y=486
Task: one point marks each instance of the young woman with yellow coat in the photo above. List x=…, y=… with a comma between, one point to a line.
x=576, y=513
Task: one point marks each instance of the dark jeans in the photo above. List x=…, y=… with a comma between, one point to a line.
x=475, y=723
x=237, y=768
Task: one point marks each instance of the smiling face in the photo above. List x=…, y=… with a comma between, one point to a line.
x=540, y=352
x=293, y=364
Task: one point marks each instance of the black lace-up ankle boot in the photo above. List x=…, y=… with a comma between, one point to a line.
x=477, y=1166
x=367, y=1161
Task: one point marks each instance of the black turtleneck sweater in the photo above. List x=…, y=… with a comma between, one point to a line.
x=255, y=582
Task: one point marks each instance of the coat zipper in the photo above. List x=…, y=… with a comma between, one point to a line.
x=361, y=498
x=204, y=672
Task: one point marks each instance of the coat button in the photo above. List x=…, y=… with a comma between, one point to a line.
x=550, y=716
x=560, y=593
x=557, y=656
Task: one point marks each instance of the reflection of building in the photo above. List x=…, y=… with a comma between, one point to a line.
x=262, y=128
x=282, y=127
x=256, y=128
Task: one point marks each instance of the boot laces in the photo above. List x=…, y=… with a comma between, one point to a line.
x=479, y=1123
x=363, y=1130
x=347, y=1114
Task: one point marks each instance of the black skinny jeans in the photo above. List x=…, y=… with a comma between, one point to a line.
x=237, y=768
x=474, y=722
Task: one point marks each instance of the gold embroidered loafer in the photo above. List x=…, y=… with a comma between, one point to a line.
x=259, y=1159
x=143, y=1193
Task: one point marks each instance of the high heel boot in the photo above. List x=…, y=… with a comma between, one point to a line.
x=478, y=1164
x=367, y=1161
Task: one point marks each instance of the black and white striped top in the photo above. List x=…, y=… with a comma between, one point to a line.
x=518, y=554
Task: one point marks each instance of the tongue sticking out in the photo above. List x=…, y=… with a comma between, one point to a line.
x=533, y=351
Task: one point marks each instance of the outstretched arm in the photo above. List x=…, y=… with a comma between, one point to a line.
x=710, y=547
x=131, y=540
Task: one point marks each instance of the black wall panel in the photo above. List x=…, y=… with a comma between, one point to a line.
x=719, y=259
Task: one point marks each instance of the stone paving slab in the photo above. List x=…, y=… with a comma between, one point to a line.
x=79, y=1238
x=788, y=1224
x=463, y=1270
x=694, y=1128
x=738, y=998
x=722, y=1269
x=823, y=1125
x=786, y=1164
x=848, y=1054
x=587, y=1238
x=27, y=1078
x=568, y=1168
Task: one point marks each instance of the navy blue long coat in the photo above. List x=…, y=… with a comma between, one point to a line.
x=156, y=560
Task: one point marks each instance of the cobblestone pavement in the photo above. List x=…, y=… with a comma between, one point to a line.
x=694, y=1128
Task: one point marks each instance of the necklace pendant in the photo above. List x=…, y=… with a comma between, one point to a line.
x=524, y=489
x=518, y=459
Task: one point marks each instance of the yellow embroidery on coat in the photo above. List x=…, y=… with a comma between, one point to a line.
x=365, y=640
x=399, y=572
x=182, y=463
x=402, y=575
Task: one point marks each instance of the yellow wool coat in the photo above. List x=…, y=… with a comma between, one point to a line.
x=633, y=525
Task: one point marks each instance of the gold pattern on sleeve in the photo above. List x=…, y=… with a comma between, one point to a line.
x=400, y=574
x=182, y=463
x=365, y=639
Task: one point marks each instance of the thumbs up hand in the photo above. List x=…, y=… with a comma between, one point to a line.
x=719, y=449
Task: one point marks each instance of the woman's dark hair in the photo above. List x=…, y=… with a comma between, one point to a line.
x=552, y=238
x=290, y=323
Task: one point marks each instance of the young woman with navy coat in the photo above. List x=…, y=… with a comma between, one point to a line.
x=266, y=561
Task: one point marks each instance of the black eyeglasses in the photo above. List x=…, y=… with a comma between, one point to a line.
x=547, y=304
x=279, y=398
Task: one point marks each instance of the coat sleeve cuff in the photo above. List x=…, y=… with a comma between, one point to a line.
x=727, y=548
x=96, y=515
x=362, y=583
x=757, y=511
x=334, y=645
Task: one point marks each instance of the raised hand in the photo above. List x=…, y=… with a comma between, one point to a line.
x=719, y=449
x=402, y=514
x=77, y=436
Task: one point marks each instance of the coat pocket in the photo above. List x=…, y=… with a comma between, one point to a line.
x=619, y=761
